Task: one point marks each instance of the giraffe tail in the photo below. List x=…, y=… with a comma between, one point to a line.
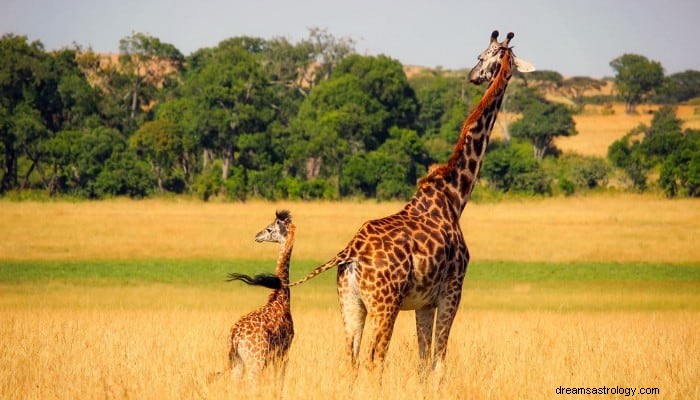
x=269, y=281
x=325, y=267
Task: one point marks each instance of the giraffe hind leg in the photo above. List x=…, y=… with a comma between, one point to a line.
x=382, y=327
x=353, y=311
x=425, y=320
x=236, y=364
x=354, y=315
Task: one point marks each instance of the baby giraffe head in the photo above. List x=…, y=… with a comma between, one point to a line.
x=276, y=231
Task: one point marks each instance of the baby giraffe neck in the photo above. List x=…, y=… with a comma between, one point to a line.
x=282, y=270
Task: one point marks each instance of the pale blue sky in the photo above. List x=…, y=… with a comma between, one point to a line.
x=571, y=37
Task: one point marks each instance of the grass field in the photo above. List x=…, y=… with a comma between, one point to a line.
x=609, y=228
x=124, y=299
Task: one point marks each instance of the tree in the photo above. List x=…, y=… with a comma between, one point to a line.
x=329, y=51
x=680, y=87
x=337, y=119
x=390, y=171
x=542, y=121
x=79, y=101
x=147, y=62
x=509, y=167
x=79, y=159
x=184, y=114
x=663, y=135
x=625, y=153
x=443, y=100
x=544, y=80
x=383, y=78
x=680, y=170
x=663, y=144
x=231, y=97
x=160, y=141
x=575, y=87
x=636, y=78
x=23, y=72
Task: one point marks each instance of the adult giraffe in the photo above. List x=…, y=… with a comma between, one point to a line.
x=416, y=259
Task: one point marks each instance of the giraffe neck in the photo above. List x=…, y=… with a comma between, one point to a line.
x=461, y=171
x=282, y=269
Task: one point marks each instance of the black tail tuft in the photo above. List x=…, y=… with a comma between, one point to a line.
x=269, y=281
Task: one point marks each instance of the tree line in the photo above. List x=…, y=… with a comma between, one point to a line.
x=273, y=119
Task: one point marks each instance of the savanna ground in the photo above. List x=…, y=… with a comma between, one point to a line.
x=126, y=299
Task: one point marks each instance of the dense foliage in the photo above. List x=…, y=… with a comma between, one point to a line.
x=636, y=77
x=665, y=146
x=253, y=117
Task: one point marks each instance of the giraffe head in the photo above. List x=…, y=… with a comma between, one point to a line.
x=277, y=231
x=490, y=60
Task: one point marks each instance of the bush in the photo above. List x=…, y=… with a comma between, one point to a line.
x=533, y=182
x=316, y=189
x=589, y=172
x=512, y=168
x=266, y=183
x=567, y=187
x=209, y=182
x=680, y=171
x=175, y=183
x=235, y=184
x=124, y=174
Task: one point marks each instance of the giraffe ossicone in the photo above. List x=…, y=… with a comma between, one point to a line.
x=417, y=258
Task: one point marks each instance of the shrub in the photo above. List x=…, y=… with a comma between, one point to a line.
x=512, y=168
x=590, y=172
x=567, y=187
x=680, y=171
x=124, y=174
x=209, y=182
x=235, y=184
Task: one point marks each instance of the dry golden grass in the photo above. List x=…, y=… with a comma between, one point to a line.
x=120, y=343
x=509, y=340
x=620, y=228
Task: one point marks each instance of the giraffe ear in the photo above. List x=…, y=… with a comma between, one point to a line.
x=523, y=66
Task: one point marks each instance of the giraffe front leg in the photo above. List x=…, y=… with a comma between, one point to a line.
x=446, y=312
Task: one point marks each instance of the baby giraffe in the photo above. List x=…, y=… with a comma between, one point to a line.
x=262, y=338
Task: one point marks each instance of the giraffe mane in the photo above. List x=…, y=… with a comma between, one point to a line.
x=443, y=169
x=283, y=215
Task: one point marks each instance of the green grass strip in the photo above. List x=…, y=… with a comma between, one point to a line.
x=204, y=272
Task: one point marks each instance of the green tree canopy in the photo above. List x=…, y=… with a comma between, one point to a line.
x=146, y=63
x=542, y=121
x=680, y=87
x=384, y=80
x=636, y=77
x=662, y=145
x=160, y=142
x=24, y=72
x=337, y=119
x=231, y=97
